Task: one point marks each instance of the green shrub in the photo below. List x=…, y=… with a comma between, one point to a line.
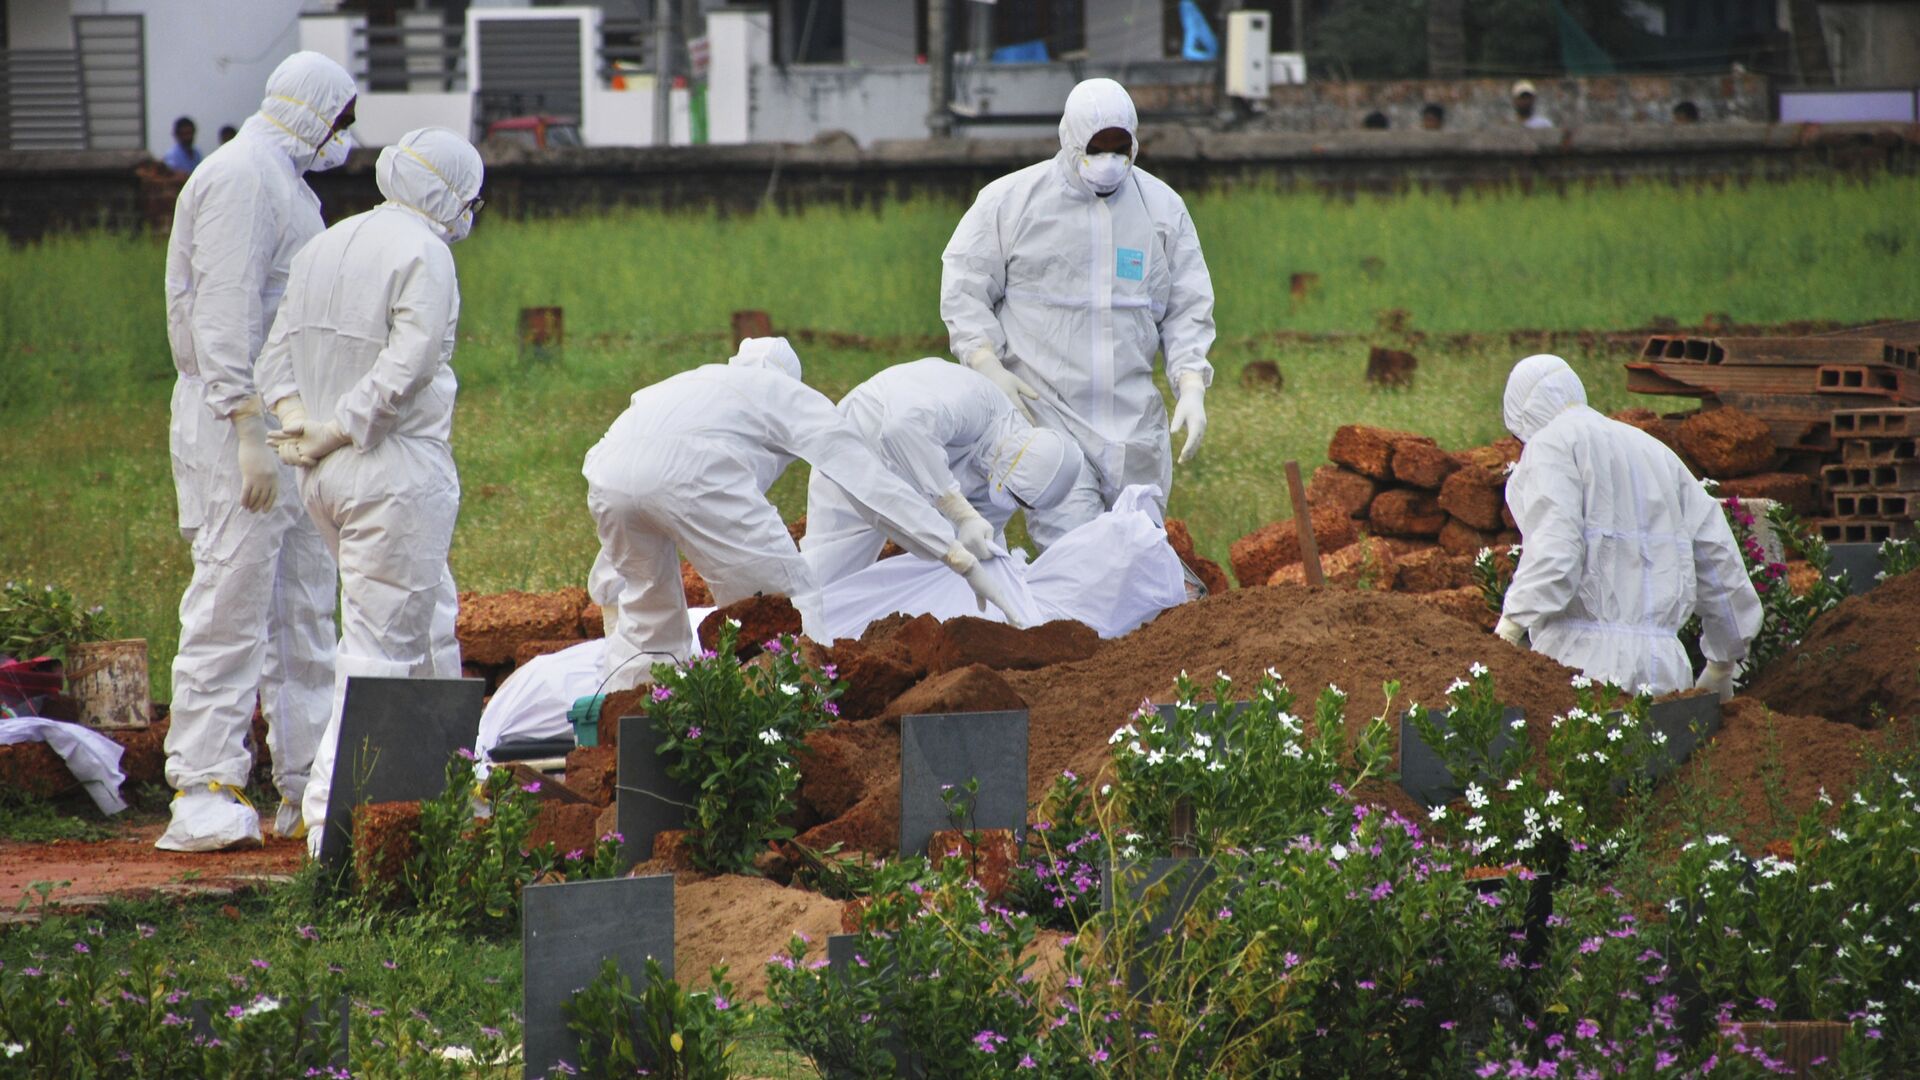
x=470, y=868
x=80, y=1016
x=663, y=1031
x=1250, y=770
x=45, y=620
x=731, y=732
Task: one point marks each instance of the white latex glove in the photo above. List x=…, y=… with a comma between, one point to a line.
x=987, y=589
x=986, y=363
x=1509, y=631
x=1190, y=413
x=292, y=414
x=313, y=443
x=972, y=531
x=962, y=562
x=1717, y=677
x=259, y=476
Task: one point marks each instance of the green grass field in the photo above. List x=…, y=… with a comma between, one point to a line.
x=85, y=374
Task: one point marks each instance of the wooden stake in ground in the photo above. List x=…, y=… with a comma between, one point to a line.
x=1303, y=520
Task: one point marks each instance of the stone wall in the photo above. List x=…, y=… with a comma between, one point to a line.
x=1483, y=104
x=51, y=192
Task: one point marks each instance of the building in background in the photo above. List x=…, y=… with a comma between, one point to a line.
x=112, y=74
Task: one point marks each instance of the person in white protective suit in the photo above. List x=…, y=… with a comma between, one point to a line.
x=954, y=438
x=1620, y=544
x=689, y=464
x=358, y=369
x=257, y=617
x=1062, y=282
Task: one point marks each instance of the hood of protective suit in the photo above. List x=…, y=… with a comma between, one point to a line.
x=1541, y=387
x=304, y=97
x=772, y=353
x=1030, y=465
x=1094, y=106
x=434, y=173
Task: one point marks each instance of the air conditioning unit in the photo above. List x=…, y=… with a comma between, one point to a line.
x=1249, y=48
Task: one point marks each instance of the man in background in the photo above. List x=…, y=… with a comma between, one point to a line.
x=1525, y=100
x=1432, y=117
x=182, y=156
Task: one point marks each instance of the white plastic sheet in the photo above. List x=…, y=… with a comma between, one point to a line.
x=533, y=701
x=1113, y=573
x=93, y=758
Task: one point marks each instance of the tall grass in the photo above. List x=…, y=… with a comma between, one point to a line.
x=86, y=493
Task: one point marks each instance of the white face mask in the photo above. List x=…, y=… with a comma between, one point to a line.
x=332, y=153
x=1104, y=172
x=461, y=226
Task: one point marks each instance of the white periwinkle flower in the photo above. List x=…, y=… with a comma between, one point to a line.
x=1437, y=813
x=1339, y=852
x=770, y=737
x=1476, y=798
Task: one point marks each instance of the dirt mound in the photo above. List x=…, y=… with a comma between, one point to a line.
x=967, y=641
x=740, y=922
x=1352, y=638
x=129, y=865
x=974, y=688
x=385, y=836
x=762, y=619
x=1860, y=657
x=1727, y=442
x=592, y=771
x=1766, y=768
x=874, y=675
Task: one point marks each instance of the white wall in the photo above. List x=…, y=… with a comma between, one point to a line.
x=208, y=59
x=738, y=43
x=380, y=119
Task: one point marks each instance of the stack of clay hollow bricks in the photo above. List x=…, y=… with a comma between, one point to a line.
x=1841, y=408
x=1875, y=489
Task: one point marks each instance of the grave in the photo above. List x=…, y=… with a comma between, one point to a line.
x=396, y=736
x=1423, y=772
x=567, y=931
x=951, y=750
x=1184, y=879
x=647, y=800
x=1861, y=563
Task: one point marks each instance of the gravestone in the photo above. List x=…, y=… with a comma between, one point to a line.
x=567, y=931
x=1861, y=563
x=1687, y=722
x=646, y=799
x=396, y=736
x=1423, y=772
x=950, y=750
x=1184, y=879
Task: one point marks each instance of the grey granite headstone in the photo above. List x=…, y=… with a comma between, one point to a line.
x=567, y=931
x=1423, y=772
x=1861, y=563
x=950, y=750
x=1184, y=879
x=1687, y=722
x=648, y=801
x=396, y=736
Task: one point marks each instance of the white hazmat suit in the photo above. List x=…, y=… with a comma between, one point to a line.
x=1620, y=543
x=688, y=465
x=1059, y=292
x=257, y=617
x=954, y=438
x=360, y=356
